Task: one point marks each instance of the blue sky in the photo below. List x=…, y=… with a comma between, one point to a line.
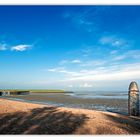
x=69, y=47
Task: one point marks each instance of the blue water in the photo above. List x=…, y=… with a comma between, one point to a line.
x=100, y=94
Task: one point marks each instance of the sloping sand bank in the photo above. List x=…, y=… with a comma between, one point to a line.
x=26, y=118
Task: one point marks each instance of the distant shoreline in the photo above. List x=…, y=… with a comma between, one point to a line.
x=22, y=92
x=51, y=92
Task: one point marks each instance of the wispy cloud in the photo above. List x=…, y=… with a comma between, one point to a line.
x=93, y=63
x=84, y=51
x=63, y=71
x=81, y=19
x=21, y=47
x=70, y=74
x=120, y=57
x=70, y=86
x=113, y=74
x=74, y=61
x=117, y=72
x=112, y=40
x=85, y=85
x=62, y=62
x=82, y=63
x=87, y=18
x=125, y=72
x=133, y=54
x=113, y=52
x=3, y=47
x=57, y=69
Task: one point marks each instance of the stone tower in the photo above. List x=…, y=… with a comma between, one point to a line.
x=133, y=99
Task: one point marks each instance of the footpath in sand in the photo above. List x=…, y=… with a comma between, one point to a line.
x=27, y=118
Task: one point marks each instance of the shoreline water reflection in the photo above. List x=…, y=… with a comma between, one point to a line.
x=113, y=102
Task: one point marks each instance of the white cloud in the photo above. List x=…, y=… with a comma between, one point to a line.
x=63, y=62
x=80, y=20
x=70, y=86
x=133, y=54
x=76, y=61
x=113, y=77
x=112, y=40
x=3, y=47
x=125, y=72
x=86, y=85
x=93, y=63
x=21, y=47
x=120, y=57
x=57, y=69
x=114, y=52
x=63, y=71
x=110, y=73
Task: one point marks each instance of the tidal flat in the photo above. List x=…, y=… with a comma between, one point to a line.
x=66, y=100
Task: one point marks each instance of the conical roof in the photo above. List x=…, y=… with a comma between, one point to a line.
x=133, y=86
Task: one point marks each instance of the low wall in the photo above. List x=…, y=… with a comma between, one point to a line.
x=6, y=93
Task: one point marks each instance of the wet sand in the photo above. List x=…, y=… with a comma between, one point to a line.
x=60, y=99
x=27, y=118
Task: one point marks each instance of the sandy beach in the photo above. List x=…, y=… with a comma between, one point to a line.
x=27, y=118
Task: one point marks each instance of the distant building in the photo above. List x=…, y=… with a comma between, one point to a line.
x=4, y=93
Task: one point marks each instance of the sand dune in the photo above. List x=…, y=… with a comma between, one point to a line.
x=26, y=118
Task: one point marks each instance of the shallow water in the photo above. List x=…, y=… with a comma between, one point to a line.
x=100, y=94
x=104, y=101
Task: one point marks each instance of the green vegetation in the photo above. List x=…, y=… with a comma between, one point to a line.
x=48, y=91
x=35, y=91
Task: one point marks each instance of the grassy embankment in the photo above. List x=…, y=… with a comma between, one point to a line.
x=34, y=91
